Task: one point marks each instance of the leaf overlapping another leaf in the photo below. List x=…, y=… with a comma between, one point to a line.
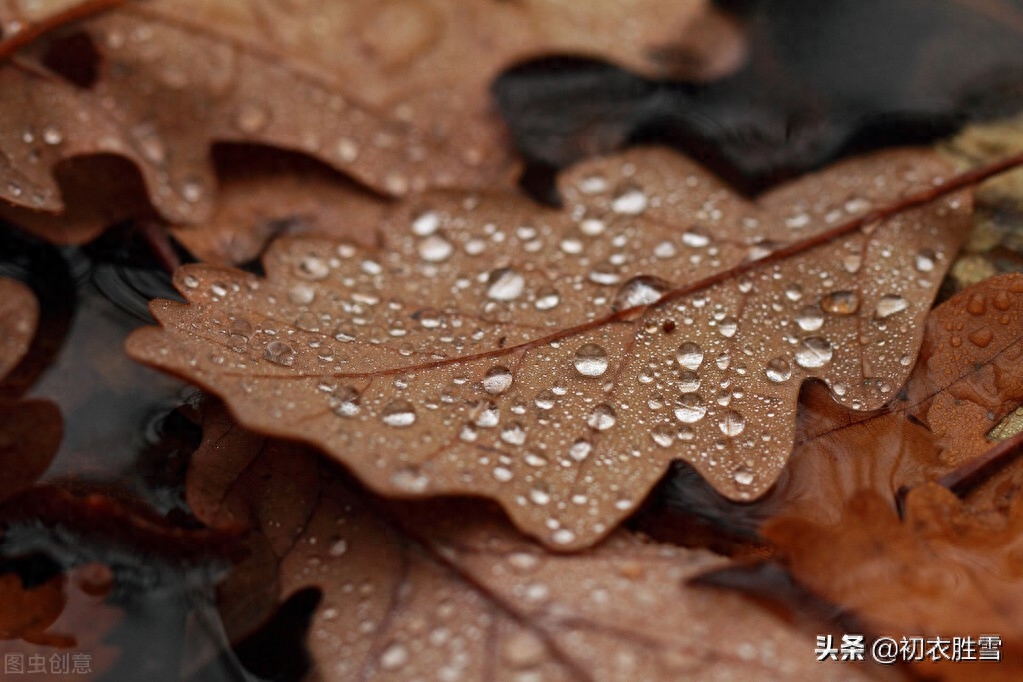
x=557, y=361
x=450, y=589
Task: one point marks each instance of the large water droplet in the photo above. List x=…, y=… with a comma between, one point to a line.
x=688, y=381
x=602, y=417
x=690, y=408
x=889, y=305
x=778, y=370
x=505, y=284
x=810, y=318
x=814, y=352
x=690, y=355
x=347, y=402
x=591, y=360
x=630, y=202
x=280, y=352
x=497, y=380
x=732, y=423
x=398, y=413
x=727, y=327
x=639, y=291
x=841, y=302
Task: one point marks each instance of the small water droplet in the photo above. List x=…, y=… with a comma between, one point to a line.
x=251, y=118
x=312, y=268
x=727, y=327
x=690, y=408
x=663, y=436
x=580, y=450
x=280, y=352
x=924, y=260
x=630, y=202
x=52, y=135
x=890, y=304
x=814, y=352
x=301, y=294
x=562, y=536
x=793, y=292
x=523, y=650
x=592, y=227
x=435, y=249
x=338, y=549
x=732, y=423
x=591, y=360
x=695, y=238
x=810, y=318
x=497, y=380
x=742, y=476
x=545, y=400
x=347, y=398
x=639, y=291
x=487, y=415
x=514, y=434
x=602, y=417
x=688, y=381
x=778, y=370
x=394, y=657
x=841, y=302
x=689, y=355
x=505, y=284
x=426, y=223
x=502, y=474
x=547, y=298
x=410, y=479
x=398, y=413
x=539, y=495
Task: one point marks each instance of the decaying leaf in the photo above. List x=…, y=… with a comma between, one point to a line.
x=557, y=361
x=939, y=572
x=30, y=430
x=450, y=590
x=394, y=93
x=969, y=376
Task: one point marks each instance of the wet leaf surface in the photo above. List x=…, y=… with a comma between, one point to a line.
x=451, y=589
x=558, y=361
x=394, y=93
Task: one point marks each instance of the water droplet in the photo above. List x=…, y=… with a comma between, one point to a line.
x=398, y=413
x=394, y=657
x=630, y=202
x=815, y=352
x=426, y=223
x=592, y=227
x=663, y=436
x=793, y=292
x=301, y=294
x=688, y=381
x=523, y=650
x=410, y=479
x=435, y=249
x=502, y=474
x=639, y=291
x=347, y=402
x=487, y=416
x=580, y=450
x=810, y=318
x=841, y=302
x=778, y=370
x=742, y=476
x=312, y=268
x=690, y=355
x=52, y=135
x=497, y=380
x=505, y=285
x=732, y=423
x=547, y=298
x=690, y=408
x=602, y=417
x=727, y=327
x=562, y=536
x=606, y=274
x=339, y=548
x=545, y=400
x=695, y=238
x=924, y=260
x=539, y=495
x=280, y=353
x=889, y=305
x=665, y=250
x=514, y=434
x=591, y=360
x=251, y=118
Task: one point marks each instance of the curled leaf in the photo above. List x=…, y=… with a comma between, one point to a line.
x=557, y=361
x=450, y=590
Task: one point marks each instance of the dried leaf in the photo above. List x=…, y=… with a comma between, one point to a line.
x=451, y=590
x=30, y=430
x=394, y=93
x=941, y=572
x=558, y=361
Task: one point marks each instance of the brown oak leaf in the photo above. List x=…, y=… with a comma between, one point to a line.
x=940, y=571
x=968, y=378
x=425, y=589
x=557, y=361
x=30, y=430
x=394, y=93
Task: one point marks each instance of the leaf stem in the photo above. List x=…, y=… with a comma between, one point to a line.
x=970, y=475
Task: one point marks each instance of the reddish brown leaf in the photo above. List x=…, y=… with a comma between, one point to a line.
x=450, y=590
x=940, y=572
x=394, y=93
x=557, y=361
x=19, y=313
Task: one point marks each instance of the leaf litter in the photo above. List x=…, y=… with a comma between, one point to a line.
x=557, y=361
x=449, y=589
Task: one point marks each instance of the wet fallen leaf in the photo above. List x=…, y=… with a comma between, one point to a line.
x=967, y=379
x=394, y=93
x=30, y=430
x=452, y=590
x=940, y=571
x=557, y=361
